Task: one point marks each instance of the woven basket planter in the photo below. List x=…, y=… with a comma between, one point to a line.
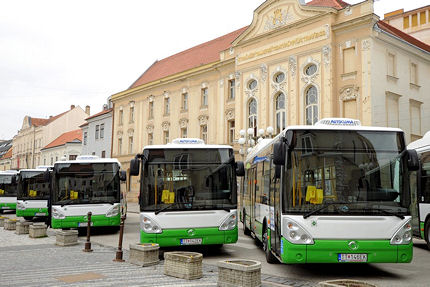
x=145, y=254
x=10, y=224
x=185, y=265
x=239, y=272
x=344, y=283
x=37, y=230
x=2, y=220
x=22, y=227
x=66, y=237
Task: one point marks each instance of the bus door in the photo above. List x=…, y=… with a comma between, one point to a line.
x=252, y=181
x=275, y=238
x=414, y=186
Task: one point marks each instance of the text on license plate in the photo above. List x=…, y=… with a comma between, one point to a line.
x=40, y=214
x=84, y=224
x=352, y=257
x=191, y=241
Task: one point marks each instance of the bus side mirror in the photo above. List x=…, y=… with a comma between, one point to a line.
x=134, y=166
x=413, y=161
x=278, y=171
x=279, y=153
x=122, y=175
x=240, y=168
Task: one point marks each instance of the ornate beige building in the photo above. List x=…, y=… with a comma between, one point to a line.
x=295, y=64
x=36, y=133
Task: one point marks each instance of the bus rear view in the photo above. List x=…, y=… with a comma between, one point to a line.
x=187, y=194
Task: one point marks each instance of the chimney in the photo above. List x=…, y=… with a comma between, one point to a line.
x=87, y=110
x=50, y=117
x=105, y=107
x=72, y=107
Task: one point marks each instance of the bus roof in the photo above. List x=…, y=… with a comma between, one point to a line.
x=187, y=143
x=90, y=160
x=422, y=144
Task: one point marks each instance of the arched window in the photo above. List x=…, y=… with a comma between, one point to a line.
x=280, y=120
x=311, y=105
x=252, y=115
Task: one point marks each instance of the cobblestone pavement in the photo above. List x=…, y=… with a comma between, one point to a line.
x=25, y=261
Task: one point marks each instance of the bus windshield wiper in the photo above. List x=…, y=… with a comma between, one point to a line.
x=166, y=207
x=384, y=211
x=322, y=207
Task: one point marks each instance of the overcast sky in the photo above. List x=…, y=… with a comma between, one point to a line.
x=57, y=53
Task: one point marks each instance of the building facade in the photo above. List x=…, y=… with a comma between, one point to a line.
x=295, y=64
x=5, y=154
x=67, y=146
x=97, y=134
x=415, y=22
x=36, y=133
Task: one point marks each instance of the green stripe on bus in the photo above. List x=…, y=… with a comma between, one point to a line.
x=326, y=251
x=172, y=237
x=7, y=206
x=32, y=212
x=422, y=229
x=97, y=220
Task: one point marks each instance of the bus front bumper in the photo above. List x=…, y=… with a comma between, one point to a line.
x=32, y=212
x=327, y=251
x=82, y=221
x=197, y=236
x=7, y=206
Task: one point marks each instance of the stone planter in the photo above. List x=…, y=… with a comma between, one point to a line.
x=10, y=224
x=145, y=254
x=185, y=265
x=38, y=230
x=22, y=227
x=66, y=237
x=239, y=272
x=2, y=220
x=344, y=283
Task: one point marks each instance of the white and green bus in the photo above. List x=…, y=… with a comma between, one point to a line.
x=330, y=193
x=33, y=193
x=86, y=184
x=420, y=185
x=8, y=190
x=188, y=193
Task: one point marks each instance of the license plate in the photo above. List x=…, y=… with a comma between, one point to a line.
x=84, y=224
x=351, y=257
x=40, y=214
x=191, y=241
x=5, y=207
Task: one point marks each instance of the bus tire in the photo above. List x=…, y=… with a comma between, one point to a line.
x=427, y=232
x=246, y=231
x=270, y=258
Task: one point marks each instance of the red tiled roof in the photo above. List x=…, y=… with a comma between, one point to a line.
x=408, y=38
x=7, y=155
x=65, y=138
x=337, y=4
x=199, y=55
x=99, y=114
x=43, y=122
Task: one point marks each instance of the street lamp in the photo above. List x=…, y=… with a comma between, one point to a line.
x=247, y=139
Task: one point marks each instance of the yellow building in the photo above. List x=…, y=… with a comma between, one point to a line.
x=294, y=64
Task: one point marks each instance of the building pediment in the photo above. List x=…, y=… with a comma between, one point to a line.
x=275, y=15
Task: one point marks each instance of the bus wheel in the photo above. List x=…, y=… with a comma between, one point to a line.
x=427, y=233
x=246, y=231
x=270, y=258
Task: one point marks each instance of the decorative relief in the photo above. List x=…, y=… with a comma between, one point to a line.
x=292, y=65
x=279, y=18
x=149, y=129
x=349, y=93
x=151, y=98
x=165, y=126
x=130, y=132
x=119, y=134
x=308, y=79
x=237, y=78
x=251, y=93
x=165, y=94
x=263, y=69
x=221, y=83
x=326, y=55
x=282, y=86
x=229, y=114
x=203, y=120
x=365, y=45
x=183, y=123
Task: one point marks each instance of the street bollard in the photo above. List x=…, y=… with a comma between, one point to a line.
x=88, y=243
x=121, y=233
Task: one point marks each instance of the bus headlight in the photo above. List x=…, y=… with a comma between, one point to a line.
x=20, y=205
x=113, y=211
x=148, y=225
x=403, y=235
x=230, y=222
x=297, y=234
x=57, y=214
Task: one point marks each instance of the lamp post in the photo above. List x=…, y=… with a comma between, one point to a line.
x=247, y=139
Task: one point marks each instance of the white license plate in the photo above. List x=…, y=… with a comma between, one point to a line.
x=352, y=257
x=5, y=207
x=40, y=214
x=191, y=241
x=84, y=224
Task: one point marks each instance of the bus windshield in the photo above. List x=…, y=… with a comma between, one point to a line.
x=83, y=183
x=32, y=185
x=188, y=179
x=7, y=187
x=346, y=172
